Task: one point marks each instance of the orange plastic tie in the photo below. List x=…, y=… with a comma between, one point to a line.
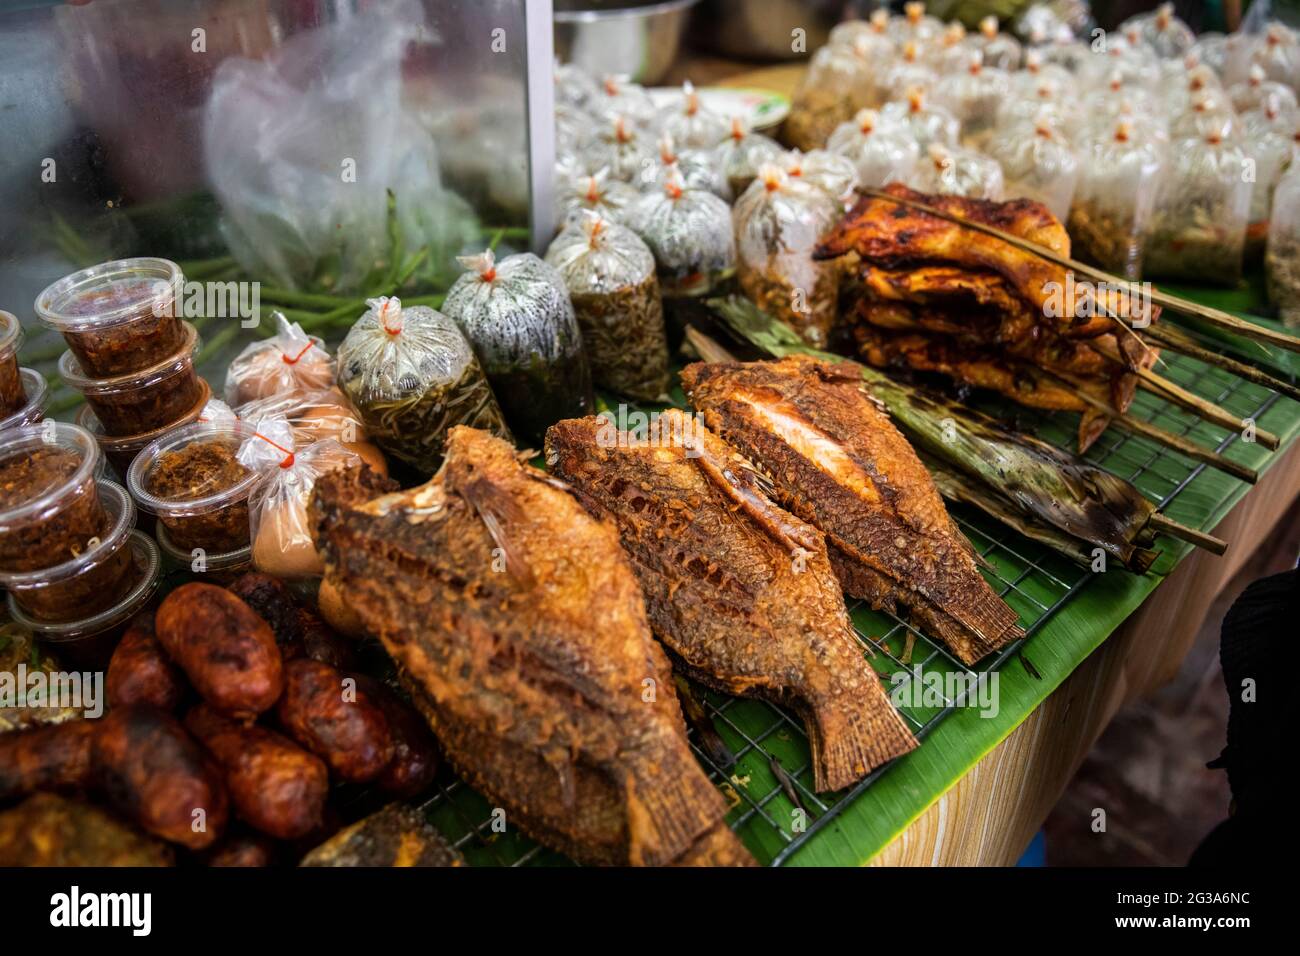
x=287, y=462
x=294, y=360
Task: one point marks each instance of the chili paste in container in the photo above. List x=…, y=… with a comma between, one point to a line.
x=12, y=396
x=50, y=507
x=117, y=317
x=410, y=375
x=191, y=478
x=143, y=400
x=97, y=576
x=120, y=450
x=610, y=275
x=517, y=315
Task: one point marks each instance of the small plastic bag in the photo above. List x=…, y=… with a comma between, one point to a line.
x=957, y=171
x=928, y=123
x=881, y=151
x=689, y=232
x=1119, y=174
x=1001, y=50
x=1269, y=138
x=1165, y=33
x=974, y=96
x=287, y=360
x=739, y=156
x=316, y=416
x=778, y=222
x=594, y=193
x=217, y=412
x=1186, y=87
x=618, y=97
x=517, y=315
x=836, y=83
x=1282, y=259
x=1037, y=163
x=1211, y=49
x=690, y=123
x=698, y=169
x=950, y=53
x=1208, y=112
x=411, y=375
x=908, y=72
x=280, y=531
x=869, y=38
x=1198, y=227
x=610, y=275
x=914, y=26
x=574, y=87
x=623, y=149
x=1257, y=89
x=1037, y=71
x=1028, y=104
x=833, y=174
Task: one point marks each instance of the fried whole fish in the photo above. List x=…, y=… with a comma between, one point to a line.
x=523, y=636
x=837, y=461
x=740, y=591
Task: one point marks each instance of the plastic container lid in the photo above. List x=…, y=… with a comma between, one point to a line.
x=109, y=294
x=38, y=394
x=73, y=438
x=180, y=438
x=145, y=553
x=183, y=359
x=121, y=512
x=11, y=334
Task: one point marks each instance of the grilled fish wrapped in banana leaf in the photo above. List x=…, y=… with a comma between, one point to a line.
x=522, y=632
x=740, y=591
x=837, y=461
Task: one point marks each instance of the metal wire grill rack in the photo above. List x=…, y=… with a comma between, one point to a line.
x=774, y=818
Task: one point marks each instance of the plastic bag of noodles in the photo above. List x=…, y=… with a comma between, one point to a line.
x=610, y=275
x=517, y=315
x=778, y=222
x=689, y=231
x=410, y=375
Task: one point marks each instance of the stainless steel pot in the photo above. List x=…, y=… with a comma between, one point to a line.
x=764, y=29
x=638, y=40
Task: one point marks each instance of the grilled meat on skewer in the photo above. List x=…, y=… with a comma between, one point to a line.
x=523, y=636
x=741, y=592
x=838, y=462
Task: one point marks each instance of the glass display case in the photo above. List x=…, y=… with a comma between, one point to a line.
x=311, y=152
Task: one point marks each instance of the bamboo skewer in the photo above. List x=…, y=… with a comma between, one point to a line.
x=1181, y=343
x=1159, y=435
x=1214, y=414
x=1217, y=317
x=1162, y=522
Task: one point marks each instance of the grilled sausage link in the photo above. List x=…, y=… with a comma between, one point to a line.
x=50, y=757
x=415, y=754
x=140, y=673
x=342, y=726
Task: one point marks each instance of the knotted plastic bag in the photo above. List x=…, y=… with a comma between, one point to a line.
x=690, y=123
x=778, y=222
x=595, y=193
x=288, y=360
x=1119, y=173
x=517, y=315
x=739, y=156
x=689, y=231
x=1037, y=163
x=610, y=275
x=881, y=151
x=411, y=375
x=956, y=171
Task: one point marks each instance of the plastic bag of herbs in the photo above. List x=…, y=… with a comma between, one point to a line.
x=517, y=315
x=778, y=221
x=411, y=375
x=595, y=193
x=610, y=275
x=1119, y=174
x=1282, y=260
x=1198, y=226
x=689, y=231
x=838, y=82
x=739, y=156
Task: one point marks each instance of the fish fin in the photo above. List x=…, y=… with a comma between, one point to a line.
x=670, y=804
x=497, y=510
x=738, y=482
x=852, y=737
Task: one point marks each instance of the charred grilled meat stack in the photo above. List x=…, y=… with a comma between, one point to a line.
x=740, y=591
x=836, y=461
x=935, y=296
x=522, y=631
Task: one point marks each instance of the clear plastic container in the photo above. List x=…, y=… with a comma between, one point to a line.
x=88, y=642
x=12, y=396
x=833, y=174
x=37, y=394
x=1167, y=35
x=1118, y=177
x=698, y=169
x=1198, y=226
x=1269, y=138
x=94, y=579
x=1282, y=258
x=909, y=71
x=192, y=480
x=117, y=317
x=222, y=569
x=50, y=506
x=121, y=450
x=144, y=400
